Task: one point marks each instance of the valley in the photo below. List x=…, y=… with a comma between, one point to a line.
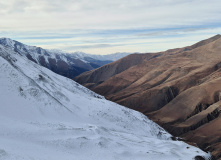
x=179, y=89
x=48, y=116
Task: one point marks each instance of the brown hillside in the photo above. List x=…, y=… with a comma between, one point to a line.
x=180, y=89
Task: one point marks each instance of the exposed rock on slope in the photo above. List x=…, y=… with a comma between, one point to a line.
x=180, y=89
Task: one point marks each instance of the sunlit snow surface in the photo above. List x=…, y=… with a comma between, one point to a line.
x=44, y=116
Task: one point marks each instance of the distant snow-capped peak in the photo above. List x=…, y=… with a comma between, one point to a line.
x=110, y=57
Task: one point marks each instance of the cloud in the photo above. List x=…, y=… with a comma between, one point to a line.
x=115, y=14
x=83, y=24
x=77, y=47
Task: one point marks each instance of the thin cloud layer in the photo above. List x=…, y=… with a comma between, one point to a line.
x=117, y=24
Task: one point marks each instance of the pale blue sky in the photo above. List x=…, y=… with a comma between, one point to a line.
x=103, y=27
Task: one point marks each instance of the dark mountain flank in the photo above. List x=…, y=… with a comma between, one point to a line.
x=180, y=89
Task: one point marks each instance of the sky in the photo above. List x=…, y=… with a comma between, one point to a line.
x=104, y=26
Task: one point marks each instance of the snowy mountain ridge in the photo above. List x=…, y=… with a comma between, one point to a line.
x=23, y=49
x=68, y=65
x=64, y=55
x=46, y=116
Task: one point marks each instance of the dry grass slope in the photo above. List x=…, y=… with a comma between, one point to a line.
x=180, y=89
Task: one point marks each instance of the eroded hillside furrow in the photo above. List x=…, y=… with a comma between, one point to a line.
x=199, y=108
x=179, y=130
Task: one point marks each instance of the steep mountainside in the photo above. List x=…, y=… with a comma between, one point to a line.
x=97, y=76
x=180, y=89
x=47, y=116
x=68, y=65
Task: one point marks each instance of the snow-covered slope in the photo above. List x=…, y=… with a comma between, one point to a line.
x=44, y=116
x=59, y=62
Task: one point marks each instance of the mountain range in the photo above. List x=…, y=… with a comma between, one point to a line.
x=109, y=57
x=180, y=89
x=47, y=116
x=65, y=64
